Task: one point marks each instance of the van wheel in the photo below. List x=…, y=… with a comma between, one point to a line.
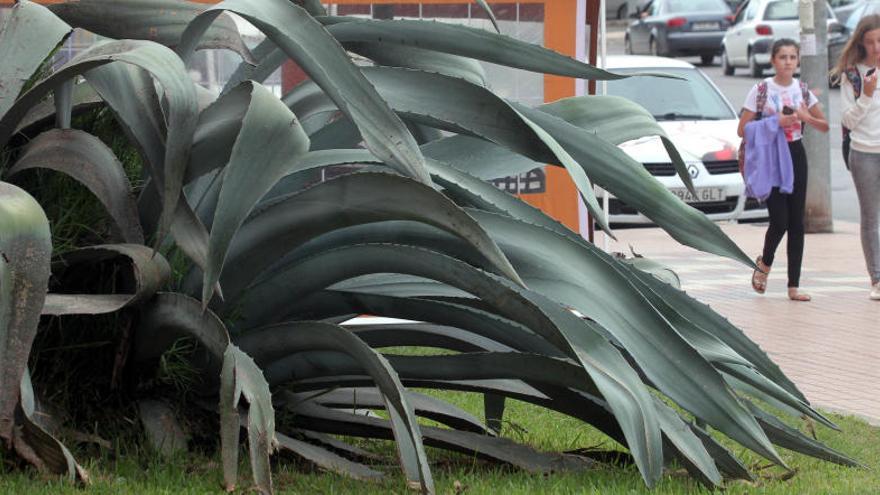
x=755, y=70
x=706, y=59
x=726, y=67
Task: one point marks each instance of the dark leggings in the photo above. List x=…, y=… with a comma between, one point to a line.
x=787, y=215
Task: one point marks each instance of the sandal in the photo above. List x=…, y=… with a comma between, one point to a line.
x=759, y=276
x=796, y=295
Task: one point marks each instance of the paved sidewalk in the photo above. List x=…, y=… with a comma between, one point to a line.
x=830, y=347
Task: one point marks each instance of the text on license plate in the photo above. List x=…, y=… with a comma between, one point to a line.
x=705, y=26
x=704, y=194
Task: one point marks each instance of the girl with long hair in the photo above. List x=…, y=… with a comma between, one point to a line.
x=861, y=116
x=785, y=97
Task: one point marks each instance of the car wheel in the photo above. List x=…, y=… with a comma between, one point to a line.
x=755, y=70
x=627, y=46
x=623, y=11
x=706, y=59
x=655, y=50
x=726, y=67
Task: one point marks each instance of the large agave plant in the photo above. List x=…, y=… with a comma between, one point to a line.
x=277, y=262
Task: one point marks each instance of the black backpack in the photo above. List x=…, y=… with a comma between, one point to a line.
x=855, y=79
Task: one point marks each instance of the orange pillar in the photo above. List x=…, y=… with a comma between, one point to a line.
x=560, y=34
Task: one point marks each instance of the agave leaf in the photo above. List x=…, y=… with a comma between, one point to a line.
x=327, y=460
x=425, y=335
x=171, y=316
x=25, y=249
x=180, y=92
x=715, y=351
x=710, y=321
x=304, y=40
x=88, y=160
x=423, y=405
x=416, y=58
x=464, y=41
x=241, y=377
x=635, y=186
x=488, y=331
x=334, y=444
x=495, y=448
x=274, y=342
x=727, y=463
x=219, y=126
x=147, y=271
x=162, y=21
x=28, y=36
x=684, y=375
x=163, y=430
x=83, y=99
x=460, y=106
x=131, y=95
x=654, y=268
x=37, y=445
x=313, y=7
x=790, y=438
x=268, y=143
x=276, y=227
x=458, y=185
x=485, y=6
x=688, y=446
x=758, y=382
x=307, y=100
x=267, y=59
x=618, y=383
x=63, y=99
x=616, y=120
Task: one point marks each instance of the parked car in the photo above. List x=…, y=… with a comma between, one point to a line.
x=700, y=122
x=758, y=23
x=843, y=9
x=679, y=27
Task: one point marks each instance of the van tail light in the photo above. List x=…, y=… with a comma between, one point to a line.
x=764, y=30
x=676, y=22
x=730, y=18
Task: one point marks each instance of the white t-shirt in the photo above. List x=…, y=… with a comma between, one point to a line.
x=860, y=115
x=777, y=97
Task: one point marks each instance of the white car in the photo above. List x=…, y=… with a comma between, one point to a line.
x=701, y=124
x=757, y=24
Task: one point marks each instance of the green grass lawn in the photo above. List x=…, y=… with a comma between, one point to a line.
x=145, y=474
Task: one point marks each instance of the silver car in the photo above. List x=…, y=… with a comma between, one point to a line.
x=756, y=25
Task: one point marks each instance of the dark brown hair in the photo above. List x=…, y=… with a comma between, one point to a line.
x=783, y=42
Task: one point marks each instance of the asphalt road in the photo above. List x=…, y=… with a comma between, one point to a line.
x=844, y=204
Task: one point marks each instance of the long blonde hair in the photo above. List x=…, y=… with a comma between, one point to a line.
x=854, y=52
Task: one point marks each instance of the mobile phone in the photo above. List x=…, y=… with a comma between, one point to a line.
x=870, y=71
x=787, y=110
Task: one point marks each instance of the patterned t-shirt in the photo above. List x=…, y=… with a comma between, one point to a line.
x=777, y=97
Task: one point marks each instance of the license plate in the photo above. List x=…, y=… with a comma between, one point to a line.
x=704, y=194
x=705, y=26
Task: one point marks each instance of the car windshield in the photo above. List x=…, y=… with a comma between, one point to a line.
x=673, y=99
x=698, y=6
x=781, y=11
